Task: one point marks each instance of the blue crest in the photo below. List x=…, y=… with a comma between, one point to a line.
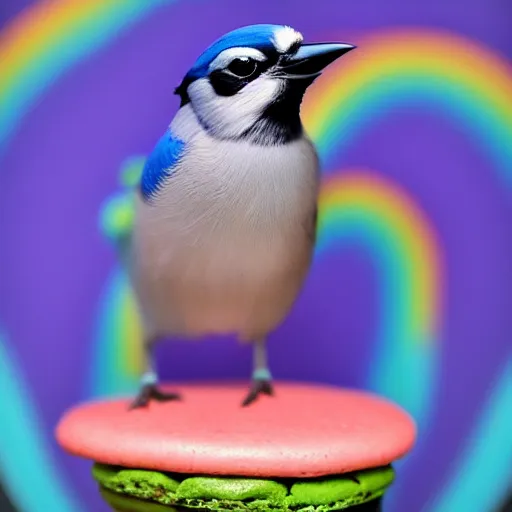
x=160, y=163
x=253, y=36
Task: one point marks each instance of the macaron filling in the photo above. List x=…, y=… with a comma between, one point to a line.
x=125, y=489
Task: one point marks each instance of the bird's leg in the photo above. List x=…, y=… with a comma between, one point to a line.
x=261, y=378
x=148, y=384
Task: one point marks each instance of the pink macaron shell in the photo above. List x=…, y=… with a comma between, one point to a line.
x=303, y=431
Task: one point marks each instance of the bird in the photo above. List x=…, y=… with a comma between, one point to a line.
x=225, y=210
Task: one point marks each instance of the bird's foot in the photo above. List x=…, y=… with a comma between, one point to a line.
x=259, y=386
x=149, y=392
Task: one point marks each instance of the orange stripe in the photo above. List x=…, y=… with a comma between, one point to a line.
x=393, y=56
x=39, y=28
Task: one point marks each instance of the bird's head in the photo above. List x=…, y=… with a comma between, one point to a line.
x=249, y=83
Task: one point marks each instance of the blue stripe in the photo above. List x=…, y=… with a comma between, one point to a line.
x=398, y=355
x=483, y=126
x=25, y=453
x=484, y=471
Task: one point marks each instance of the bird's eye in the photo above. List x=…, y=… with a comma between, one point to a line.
x=243, y=67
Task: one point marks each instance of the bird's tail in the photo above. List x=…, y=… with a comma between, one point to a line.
x=116, y=214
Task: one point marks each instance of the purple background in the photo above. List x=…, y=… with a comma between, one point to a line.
x=64, y=161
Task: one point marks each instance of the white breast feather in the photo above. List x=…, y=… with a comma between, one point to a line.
x=224, y=247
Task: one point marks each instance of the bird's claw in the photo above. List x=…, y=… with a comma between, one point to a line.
x=259, y=386
x=150, y=392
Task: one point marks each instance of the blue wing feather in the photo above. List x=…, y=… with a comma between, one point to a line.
x=160, y=164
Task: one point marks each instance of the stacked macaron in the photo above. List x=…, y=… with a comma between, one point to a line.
x=308, y=449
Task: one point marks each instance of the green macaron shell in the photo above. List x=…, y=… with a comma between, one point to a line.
x=147, y=485
x=246, y=494
x=264, y=494
x=340, y=491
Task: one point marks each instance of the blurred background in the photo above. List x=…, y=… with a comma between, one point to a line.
x=410, y=294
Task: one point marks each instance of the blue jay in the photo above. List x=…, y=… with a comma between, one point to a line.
x=225, y=213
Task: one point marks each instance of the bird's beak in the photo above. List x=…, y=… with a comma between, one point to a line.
x=311, y=59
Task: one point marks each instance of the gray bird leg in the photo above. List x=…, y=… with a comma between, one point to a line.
x=261, y=377
x=148, y=384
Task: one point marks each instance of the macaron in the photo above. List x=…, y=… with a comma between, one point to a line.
x=309, y=448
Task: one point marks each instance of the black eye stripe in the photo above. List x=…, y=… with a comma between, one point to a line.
x=227, y=83
x=222, y=85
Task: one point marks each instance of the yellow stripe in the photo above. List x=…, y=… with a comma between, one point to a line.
x=390, y=206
